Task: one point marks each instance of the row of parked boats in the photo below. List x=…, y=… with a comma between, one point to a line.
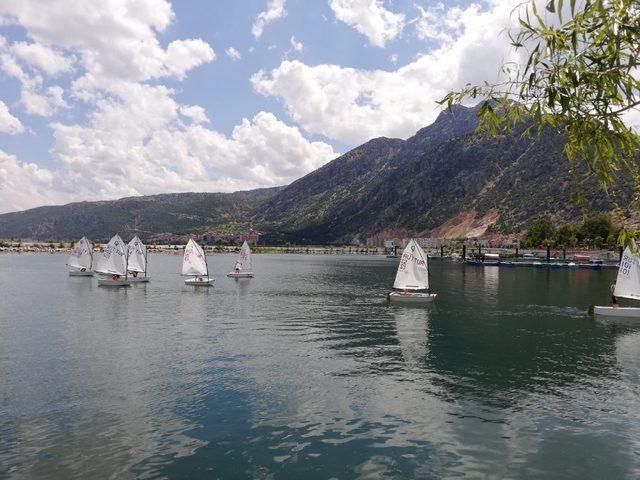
x=120, y=264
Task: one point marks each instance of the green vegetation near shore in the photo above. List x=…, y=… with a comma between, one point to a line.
x=597, y=231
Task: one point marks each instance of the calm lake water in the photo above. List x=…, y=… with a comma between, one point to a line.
x=304, y=372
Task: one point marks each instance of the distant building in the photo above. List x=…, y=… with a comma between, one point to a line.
x=427, y=242
x=251, y=237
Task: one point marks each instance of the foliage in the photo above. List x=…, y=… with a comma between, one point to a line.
x=540, y=232
x=598, y=226
x=591, y=232
x=580, y=77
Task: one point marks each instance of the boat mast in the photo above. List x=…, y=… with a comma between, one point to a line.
x=205, y=261
x=145, y=261
x=126, y=265
x=428, y=274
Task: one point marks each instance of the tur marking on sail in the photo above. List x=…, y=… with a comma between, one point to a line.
x=112, y=264
x=81, y=259
x=627, y=286
x=411, y=284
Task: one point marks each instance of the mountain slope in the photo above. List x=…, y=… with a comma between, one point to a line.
x=175, y=213
x=444, y=181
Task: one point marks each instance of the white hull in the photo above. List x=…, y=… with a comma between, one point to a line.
x=80, y=273
x=139, y=279
x=624, y=312
x=109, y=282
x=411, y=297
x=201, y=282
x=240, y=275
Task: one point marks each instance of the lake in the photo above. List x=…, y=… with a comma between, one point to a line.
x=305, y=372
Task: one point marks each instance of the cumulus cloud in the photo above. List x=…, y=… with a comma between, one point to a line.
x=354, y=105
x=136, y=137
x=8, y=123
x=194, y=112
x=275, y=10
x=115, y=39
x=370, y=18
x=233, y=54
x=24, y=185
x=183, y=55
x=42, y=57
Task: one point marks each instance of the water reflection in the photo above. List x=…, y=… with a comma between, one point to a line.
x=304, y=369
x=412, y=325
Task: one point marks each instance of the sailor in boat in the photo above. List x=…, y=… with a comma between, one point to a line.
x=237, y=267
x=614, y=300
x=115, y=276
x=134, y=274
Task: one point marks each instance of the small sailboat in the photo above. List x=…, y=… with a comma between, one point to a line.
x=81, y=259
x=242, y=268
x=137, y=255
x=412, y=278
x=194, y=263
x=112, y=264
x=627, y=286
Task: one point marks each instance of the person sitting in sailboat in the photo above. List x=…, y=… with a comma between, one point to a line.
x=237, y=267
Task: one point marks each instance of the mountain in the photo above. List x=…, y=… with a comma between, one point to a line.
x=445, y=181
x=171, y=213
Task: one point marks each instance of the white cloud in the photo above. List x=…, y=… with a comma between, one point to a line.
x=8, y=123
x=195, y=113
x=275, y=10
x=370, y=18
x=136, y=138
x=23, y=185
x=354, y=105
x=233, y=54
x=136, y=146
x=42, y=57
x=295, y=44
x=37, y=101
x=115, y=39
x=183, y=55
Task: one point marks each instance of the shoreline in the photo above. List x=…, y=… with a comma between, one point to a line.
x=608, y=256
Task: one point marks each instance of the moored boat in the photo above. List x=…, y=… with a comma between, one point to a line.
x=411, y=285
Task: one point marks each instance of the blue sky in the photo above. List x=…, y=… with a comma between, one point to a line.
x=103, y=99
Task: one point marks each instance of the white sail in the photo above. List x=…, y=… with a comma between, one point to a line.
x=137, y=255
x=113, y=259
x=413, y=273
x=628, y=281
x=193, y=261
x=244, y=258
x=82, y=255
